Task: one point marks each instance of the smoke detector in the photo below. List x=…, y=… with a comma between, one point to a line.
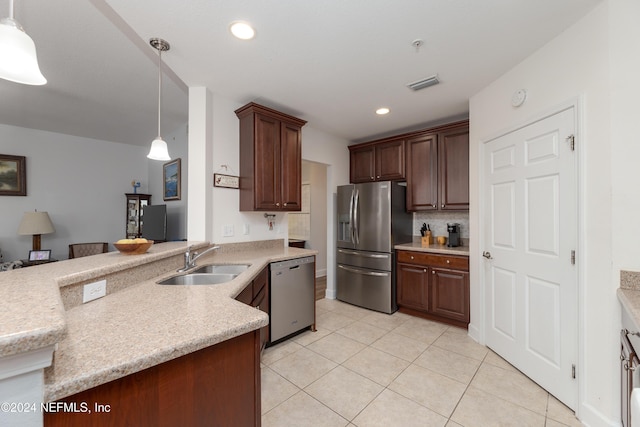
x=421, y=84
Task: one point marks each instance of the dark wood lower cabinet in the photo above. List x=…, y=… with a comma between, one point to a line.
x=450, y=294
x=215, y=386
x=413, y=286
x=433, y=286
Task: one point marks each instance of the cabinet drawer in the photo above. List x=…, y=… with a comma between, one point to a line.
x=434, y=260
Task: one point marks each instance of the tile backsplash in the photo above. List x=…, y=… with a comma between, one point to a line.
x=438, y=222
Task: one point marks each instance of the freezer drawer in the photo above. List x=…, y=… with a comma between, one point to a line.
x=372, y=289
x=373, y=260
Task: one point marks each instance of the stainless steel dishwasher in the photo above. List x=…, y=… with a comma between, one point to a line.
x=292, y=296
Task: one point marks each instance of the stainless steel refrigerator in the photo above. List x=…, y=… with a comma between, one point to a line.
x=372, y=219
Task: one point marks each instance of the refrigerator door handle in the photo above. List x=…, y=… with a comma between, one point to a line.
x=365, y=272
x=356, y=209
x=351, y=201
x=363, y=255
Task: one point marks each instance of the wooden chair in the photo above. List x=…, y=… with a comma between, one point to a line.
x=77, y=250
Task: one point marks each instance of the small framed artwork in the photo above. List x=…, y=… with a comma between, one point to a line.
x=171, y=180
x=44, y=255
x=13, y=175
x=227, y=181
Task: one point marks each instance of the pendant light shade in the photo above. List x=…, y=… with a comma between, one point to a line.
x=18, y=60
x=159, y=149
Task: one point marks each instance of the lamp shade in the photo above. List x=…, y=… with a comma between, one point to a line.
x=18, y=61
x=35, y=223
x=159, y=150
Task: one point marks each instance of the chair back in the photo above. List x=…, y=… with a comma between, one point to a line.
x=77, y=250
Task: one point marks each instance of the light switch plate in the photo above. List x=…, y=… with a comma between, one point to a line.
x=94, y=290
x=227, y=231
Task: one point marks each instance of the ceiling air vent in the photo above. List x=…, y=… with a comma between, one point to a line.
x=421, y=84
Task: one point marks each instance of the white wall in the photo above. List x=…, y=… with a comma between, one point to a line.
x=319, y=214
x=176, y=209
x=581, y=62
x=321, y=147
x=81, y=183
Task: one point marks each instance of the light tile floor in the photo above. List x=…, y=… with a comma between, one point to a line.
x=363, y=368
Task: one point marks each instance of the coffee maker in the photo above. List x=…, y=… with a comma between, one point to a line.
x=454, y=234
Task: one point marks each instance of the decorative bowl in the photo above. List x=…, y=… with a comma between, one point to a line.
x=133, y=248
x=441, y=240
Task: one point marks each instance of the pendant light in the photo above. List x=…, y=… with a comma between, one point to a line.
x=18, y=61
x=158, y=146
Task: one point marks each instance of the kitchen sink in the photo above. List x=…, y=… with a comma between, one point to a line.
x=199, y=279
x=221, y=269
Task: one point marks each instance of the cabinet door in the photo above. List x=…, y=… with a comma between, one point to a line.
x=412, y=283
x=261, y=301
x=389, y=158
x=422, y=173
x=453, y=152
x=267, y=162
x=290, y=167
x=362, y=165
x=450, y=294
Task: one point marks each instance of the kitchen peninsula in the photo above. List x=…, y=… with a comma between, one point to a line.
x=139, y=328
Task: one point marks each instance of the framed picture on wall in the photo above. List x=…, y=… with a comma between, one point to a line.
x=171, y=180
x=13, y=175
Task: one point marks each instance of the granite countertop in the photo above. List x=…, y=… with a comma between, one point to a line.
x=434, y=248
x=629, y=296
x=137, y=327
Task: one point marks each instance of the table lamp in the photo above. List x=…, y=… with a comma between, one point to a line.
x=36, y=223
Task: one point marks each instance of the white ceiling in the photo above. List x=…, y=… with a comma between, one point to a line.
x=330, y=62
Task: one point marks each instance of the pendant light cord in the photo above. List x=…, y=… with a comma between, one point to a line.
x=11, y=9
x=159, y=89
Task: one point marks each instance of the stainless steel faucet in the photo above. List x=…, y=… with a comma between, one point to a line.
x=190, y=259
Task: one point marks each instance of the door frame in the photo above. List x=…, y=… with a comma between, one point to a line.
x=477, y=328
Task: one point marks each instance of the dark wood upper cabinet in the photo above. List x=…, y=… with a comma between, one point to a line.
x=381, y=161
x=453, y=154
x=438, y=169
x=362, y=164
x=270, y=159
x=434, y=162
x=422, y=173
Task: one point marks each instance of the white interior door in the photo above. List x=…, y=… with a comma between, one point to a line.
x=530, y=235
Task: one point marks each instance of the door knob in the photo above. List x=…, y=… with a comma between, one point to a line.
x=487, y=255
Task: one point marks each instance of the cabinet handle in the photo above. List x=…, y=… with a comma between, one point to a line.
x=278, y=204
x=285, y=204
x=372, y=179
x=443, y=205
x=425, y=270
x=433, y=272
x=411, y=256
x=448, y=262
x=378, y=177
x=434, y=205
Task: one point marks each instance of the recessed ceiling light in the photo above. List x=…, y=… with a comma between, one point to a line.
x=382, y=111
x=242, y=30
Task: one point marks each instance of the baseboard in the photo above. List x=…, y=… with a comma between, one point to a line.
x=330, y=294
x=474, y=333
x=592, y=417
x=321, y=272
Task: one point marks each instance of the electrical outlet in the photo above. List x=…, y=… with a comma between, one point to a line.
x=245, y=229
x=227, y=230
x=94, y=290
